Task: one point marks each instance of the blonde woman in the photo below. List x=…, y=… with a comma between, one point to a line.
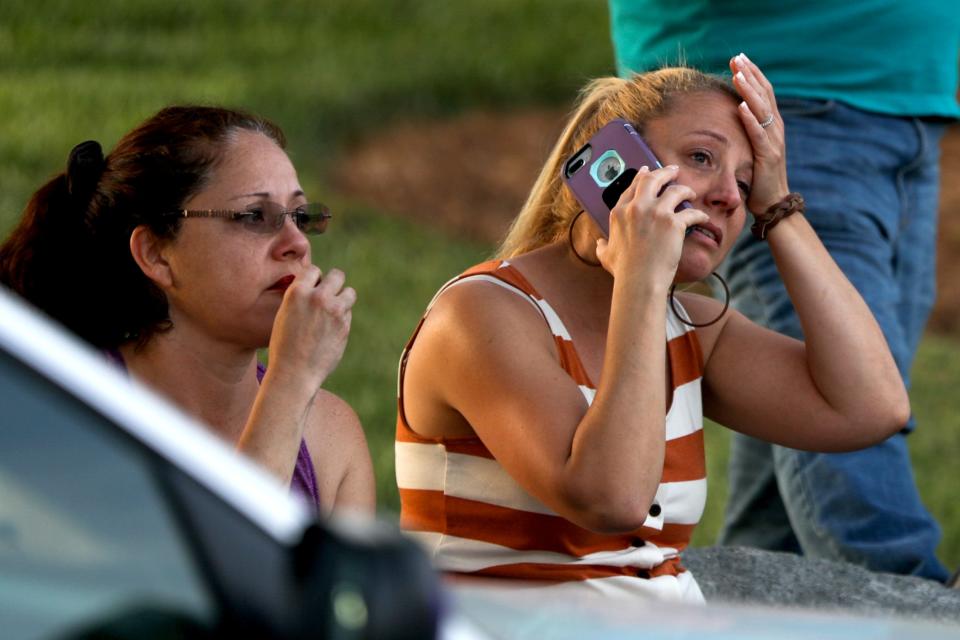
x=552, y=400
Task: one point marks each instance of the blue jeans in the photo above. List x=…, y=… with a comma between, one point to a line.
x=871, y=183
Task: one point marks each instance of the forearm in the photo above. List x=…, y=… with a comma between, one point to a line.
x=847, y=355
x=616, y=457
x=275, y=426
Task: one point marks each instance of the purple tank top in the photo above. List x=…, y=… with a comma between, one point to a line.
x=304, y=481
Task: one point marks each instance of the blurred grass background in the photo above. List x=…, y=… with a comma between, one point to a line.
x=332, y=73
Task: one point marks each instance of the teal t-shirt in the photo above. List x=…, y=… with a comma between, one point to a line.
x=896, y=57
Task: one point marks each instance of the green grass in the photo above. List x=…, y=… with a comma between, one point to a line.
x=329, y=72
x=325, y=71
x=935, y=446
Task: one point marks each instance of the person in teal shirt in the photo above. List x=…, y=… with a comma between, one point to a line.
x=866, y=89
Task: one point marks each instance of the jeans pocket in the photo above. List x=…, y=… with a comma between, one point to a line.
x=800, y=107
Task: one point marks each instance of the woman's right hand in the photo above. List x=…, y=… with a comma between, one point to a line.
x=308, y=338
x=646, y=236
x=311, y=328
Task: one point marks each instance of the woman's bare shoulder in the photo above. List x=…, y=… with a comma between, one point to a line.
x=339, y=453
x=473, y=304
x=476, y=336
x=332, y=417
x=705, y=309
x=475, y=323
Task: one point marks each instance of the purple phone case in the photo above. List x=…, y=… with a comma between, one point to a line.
x=619, y=135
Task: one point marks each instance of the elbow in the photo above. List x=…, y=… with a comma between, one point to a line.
x=892, y=413
x=892, y=406
x=884, y=418
x=613, y=521
x=609, y=513
x=898, y=415
x=903, y=413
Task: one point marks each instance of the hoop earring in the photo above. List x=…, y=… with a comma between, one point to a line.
x=573, y=248
x=726, y=304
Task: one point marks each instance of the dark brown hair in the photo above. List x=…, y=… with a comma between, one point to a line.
x=70, y=254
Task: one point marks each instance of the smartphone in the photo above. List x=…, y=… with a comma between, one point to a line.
x=602, y=169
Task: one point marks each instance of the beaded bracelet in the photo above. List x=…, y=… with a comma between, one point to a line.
x=762, y=223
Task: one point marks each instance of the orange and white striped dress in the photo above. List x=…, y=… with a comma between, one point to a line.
x=474, y=519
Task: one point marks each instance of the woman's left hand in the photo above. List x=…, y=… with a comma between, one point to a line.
x=764, y=126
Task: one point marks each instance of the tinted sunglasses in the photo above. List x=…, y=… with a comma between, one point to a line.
x=267, y=217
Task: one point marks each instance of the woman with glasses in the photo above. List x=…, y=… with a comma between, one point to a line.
x=181, y=253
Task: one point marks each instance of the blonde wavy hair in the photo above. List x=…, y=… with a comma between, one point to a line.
x=551, y=206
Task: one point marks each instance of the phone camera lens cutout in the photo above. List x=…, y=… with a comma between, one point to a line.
x=606, y=169
x=609, y=169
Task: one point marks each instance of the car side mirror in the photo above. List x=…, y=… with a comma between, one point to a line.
x=364, y=579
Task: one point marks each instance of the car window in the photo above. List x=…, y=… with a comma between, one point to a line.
x=86, y=535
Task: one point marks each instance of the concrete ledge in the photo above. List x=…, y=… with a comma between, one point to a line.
x=754, y=576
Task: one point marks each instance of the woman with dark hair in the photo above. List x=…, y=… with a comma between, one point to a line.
x=180, y=254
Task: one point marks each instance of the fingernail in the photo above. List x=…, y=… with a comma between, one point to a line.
x=743, y=106
x=740, y=77
x=672, y=167
x=744, y=56
x=741, y=59
x=643, y=169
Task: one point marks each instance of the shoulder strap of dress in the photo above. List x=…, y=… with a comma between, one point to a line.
x=498, y=272
x=678, y=320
